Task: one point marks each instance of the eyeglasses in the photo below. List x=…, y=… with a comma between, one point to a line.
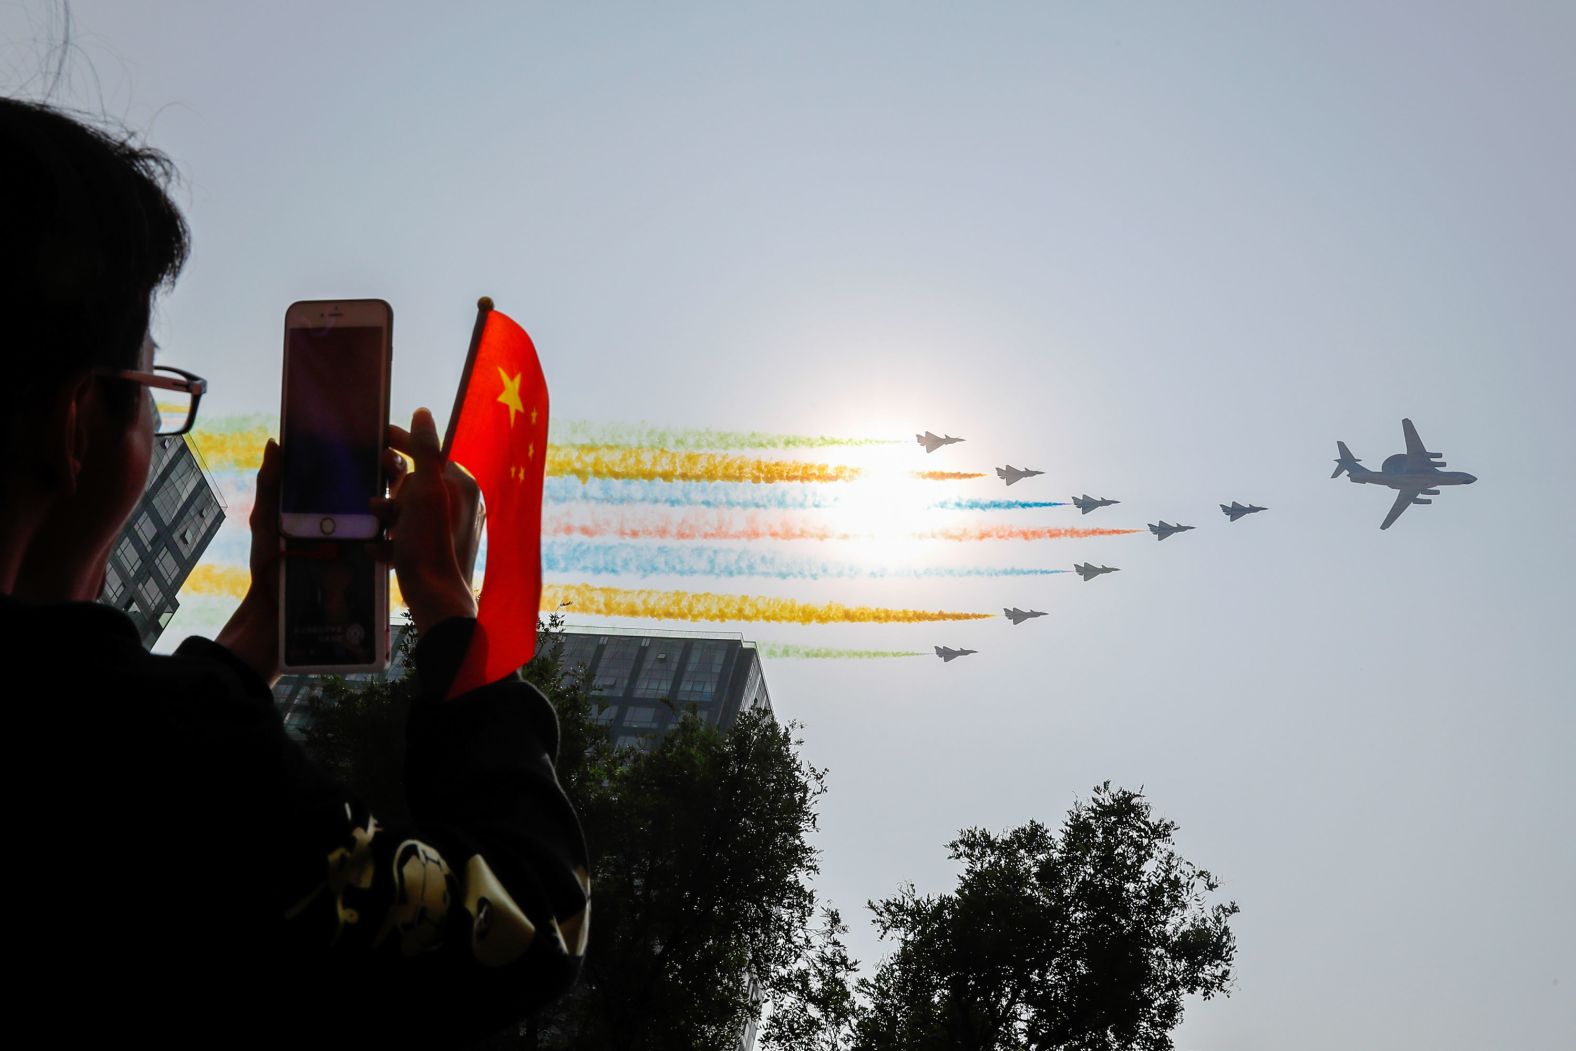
x=175, y=394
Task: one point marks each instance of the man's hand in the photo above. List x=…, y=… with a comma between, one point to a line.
x=253, y=631
x=432, y=512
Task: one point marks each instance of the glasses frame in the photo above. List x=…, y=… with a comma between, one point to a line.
x=183, y=381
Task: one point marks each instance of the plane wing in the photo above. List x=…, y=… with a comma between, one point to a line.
x=1418, y=458
x=1403, y=500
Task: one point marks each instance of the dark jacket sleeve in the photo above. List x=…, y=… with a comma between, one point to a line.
x=468, y=916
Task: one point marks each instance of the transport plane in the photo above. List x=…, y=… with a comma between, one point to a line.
x=1415, y=473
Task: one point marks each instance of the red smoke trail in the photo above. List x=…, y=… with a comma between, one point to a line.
x=1014, y=533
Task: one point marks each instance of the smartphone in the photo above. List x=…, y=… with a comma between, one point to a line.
x=334, y=607
x=334, y=417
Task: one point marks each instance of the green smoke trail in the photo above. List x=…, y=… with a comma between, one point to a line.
x=687, y=439
x=788, y=651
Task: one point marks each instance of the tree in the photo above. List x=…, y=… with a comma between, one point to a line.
x=1086, y=941
x=700, y=886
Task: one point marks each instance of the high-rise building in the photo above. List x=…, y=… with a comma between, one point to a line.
x=649, y=678
x=179, y=513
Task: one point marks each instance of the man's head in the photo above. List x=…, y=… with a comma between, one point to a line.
x=89, y=235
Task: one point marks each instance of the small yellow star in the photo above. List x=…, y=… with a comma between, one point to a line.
x=533, y=417
x=530, y=451
x=511, y=394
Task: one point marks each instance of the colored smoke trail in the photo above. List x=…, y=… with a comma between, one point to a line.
x=643, y=604
x=946, y=476
x=1012, y=533
x=720, y=495
x=220, y=580
x=689, y=527
x=647, y=436
x=786, y=651
x=995, y=505
x=585, y=462
x=751, y=526
x=234, y=442
x=573, y=556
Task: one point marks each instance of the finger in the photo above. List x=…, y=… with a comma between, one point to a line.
x=400, y=440
x=386, y=509
x=394, y=463
x=425, y=448
x=265, y=505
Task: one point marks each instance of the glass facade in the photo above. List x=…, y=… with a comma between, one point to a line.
x=169, y=529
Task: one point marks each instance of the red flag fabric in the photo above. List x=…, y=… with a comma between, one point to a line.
x=499, y=434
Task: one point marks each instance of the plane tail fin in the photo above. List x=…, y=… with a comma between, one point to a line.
x=1344, y=463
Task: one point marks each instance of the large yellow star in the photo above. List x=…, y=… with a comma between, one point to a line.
x=511, y=394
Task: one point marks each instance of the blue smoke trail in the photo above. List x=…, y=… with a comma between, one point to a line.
x=995, y=505
x=651, y=560
x=568, y=490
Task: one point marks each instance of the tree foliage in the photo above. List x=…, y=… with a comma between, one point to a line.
x=1083, y=941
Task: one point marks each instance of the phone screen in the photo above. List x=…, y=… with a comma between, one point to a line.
x=330, y=614
x=333, y=431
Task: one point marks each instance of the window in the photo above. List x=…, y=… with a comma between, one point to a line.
x=146, y=529
x=618, y=660
x=704, y=671
x=114, y=586
x=168, y=567
x=643, y=717
x=656, y=678
x=128, y=555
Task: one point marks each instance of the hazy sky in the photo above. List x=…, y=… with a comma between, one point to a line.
x=1167, y=253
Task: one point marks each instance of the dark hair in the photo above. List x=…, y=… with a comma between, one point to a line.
x=88, y=233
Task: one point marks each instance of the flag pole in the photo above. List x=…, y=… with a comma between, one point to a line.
x=484, y=306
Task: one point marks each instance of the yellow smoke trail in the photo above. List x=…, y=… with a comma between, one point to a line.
x=1014, y=533
x=645, y=604
x=606, y=461
x=222, y=581
x=233, y=449
x=946, y=476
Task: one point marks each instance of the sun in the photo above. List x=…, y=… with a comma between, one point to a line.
x=884, y=510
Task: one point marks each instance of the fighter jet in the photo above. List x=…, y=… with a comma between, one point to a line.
x=1415, y=473
x=1087, y=503
x=932, y=443
x=947, y=653
x=1018, y=616
x=1236, y=510
x=1089, y=572
x=1165, y=529
x=1013, y=474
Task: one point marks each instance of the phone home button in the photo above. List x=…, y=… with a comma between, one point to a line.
x=327, y=526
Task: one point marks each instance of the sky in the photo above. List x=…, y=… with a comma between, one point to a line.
x=1165, y=253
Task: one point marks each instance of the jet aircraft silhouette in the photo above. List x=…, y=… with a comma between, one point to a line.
x=1415, y=473
x=932, y=443
x=1165, y=529
x=947, y=653
x=1089, y=572
x=1236, y=510
x=1013, y=474
x=1018, y=616
x=1087, y=503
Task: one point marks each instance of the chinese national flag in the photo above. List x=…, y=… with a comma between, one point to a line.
x=498, y=432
